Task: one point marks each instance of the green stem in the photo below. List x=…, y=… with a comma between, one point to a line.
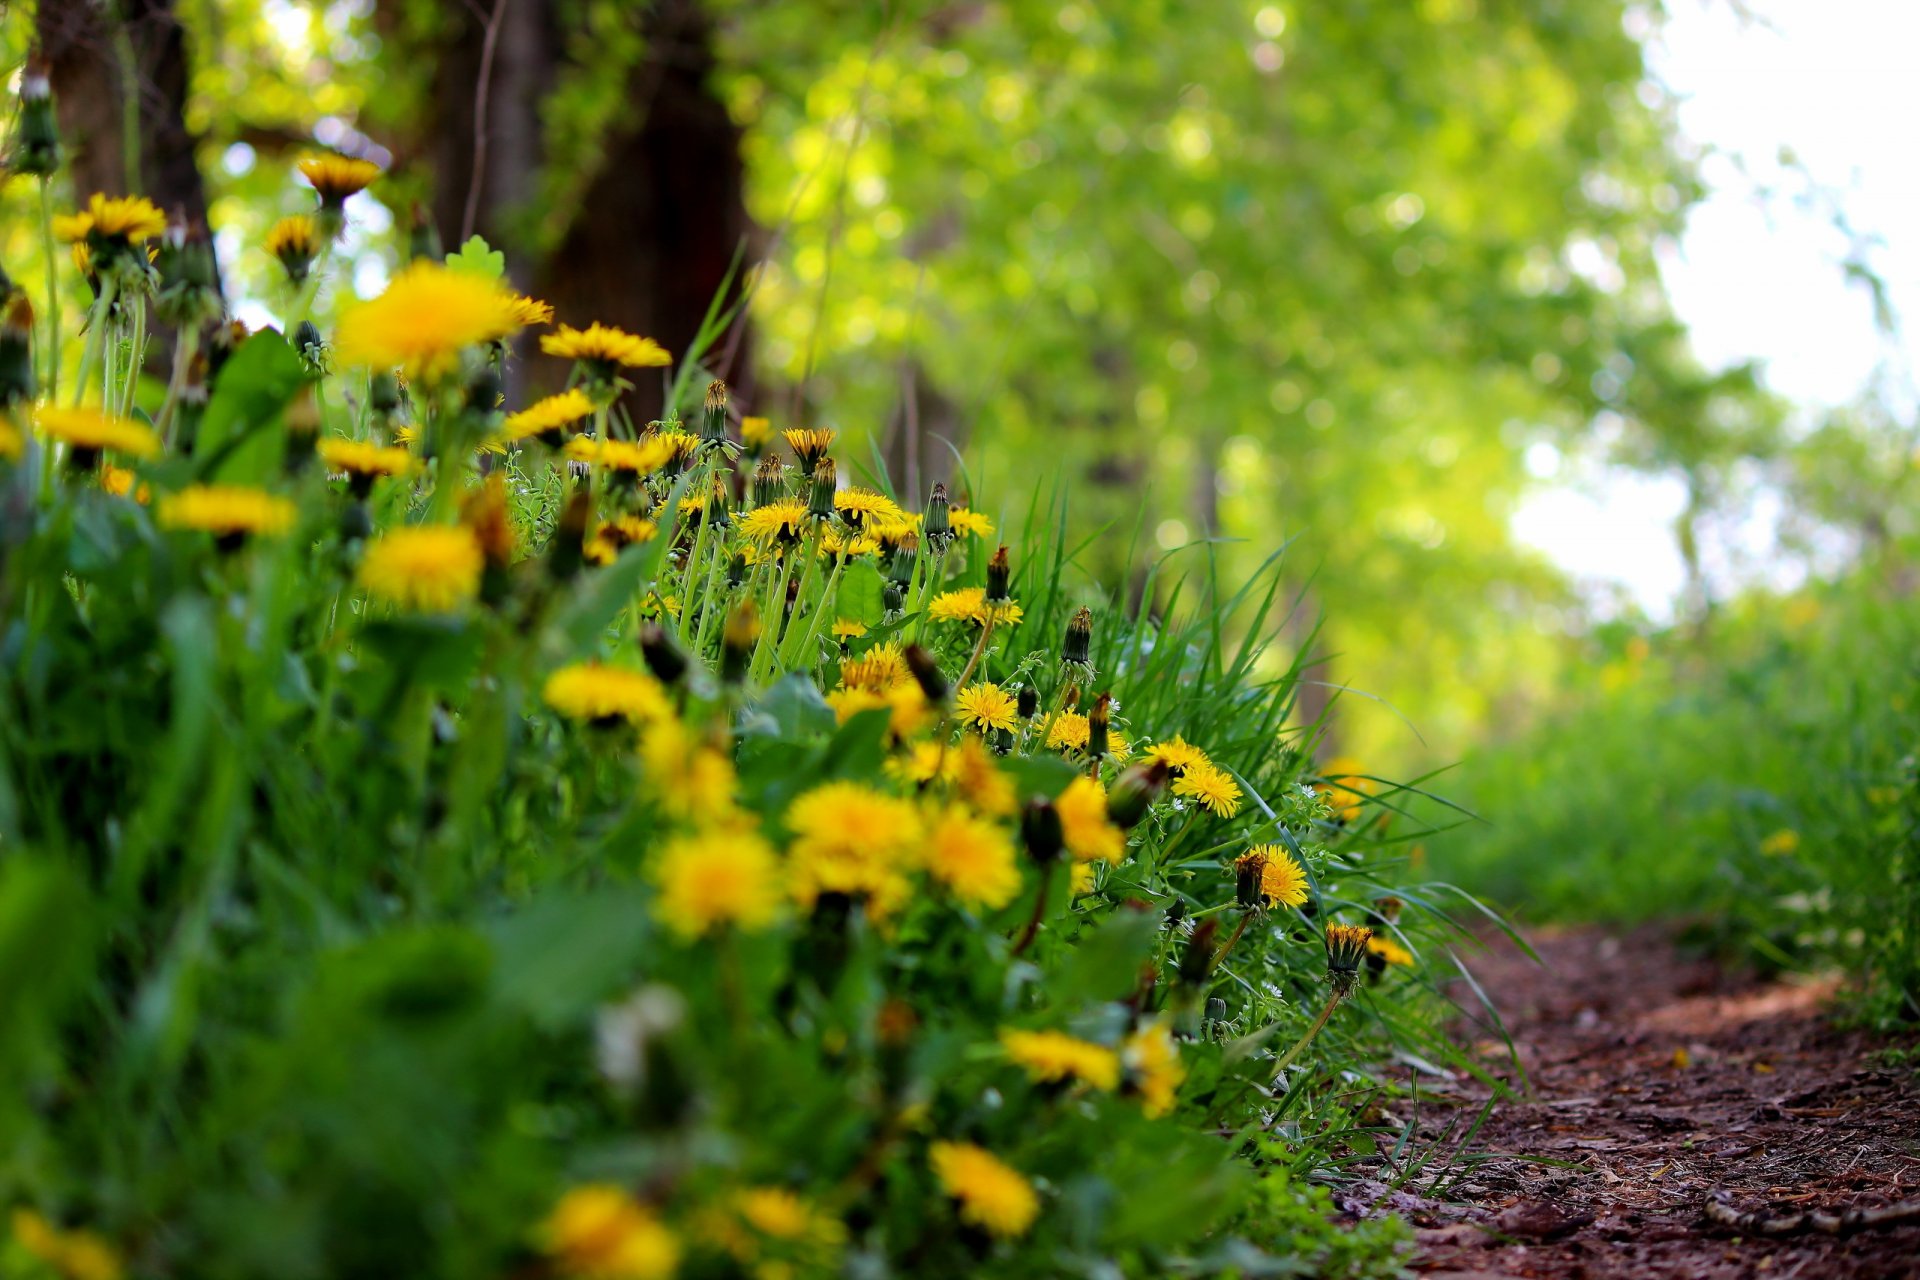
x=136, y=357
x=1333, y=1002
x=770, y=617
x=185, y=345
x=52, y=379
x=1220, y=957
x=96, y=328
x=701, y=487
x=979, y=650
x=309, y=291
x=805, y=647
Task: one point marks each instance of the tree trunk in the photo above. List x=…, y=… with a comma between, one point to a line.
x=650, y=243
x=93, y=57
x=927, y=422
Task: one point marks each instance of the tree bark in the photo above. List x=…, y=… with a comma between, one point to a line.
x=81, y=40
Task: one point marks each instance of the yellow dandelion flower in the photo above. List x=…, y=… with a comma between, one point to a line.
x=128, y=218
x=1781, y=844
x=961, y=520
x=1153, y=1067
x=783, y=522
x=1282, y=879
x=1343, y=787
x=716, y=878
x=1071, y=731
x=852, y=839
x=880, y=667
x=1089, y=833
x=809, y=445
x=992, y=1195
x=1054, y=1056
x=12, y=443
x=531, y=311
x=756, y=433
x=979, y=782
x=781, y=1215
x=599, y=1232
x=364, y=458
x=969, y=604
x=924, y=762
x=687, y=777
x=76, y=1255
x=295, y=241
x=1389, y=951
x=986, y=706
x=848, y=629
x=89, y=431
x=598, y=692
x=605, y=346
x=120, y=482
x=426, y=568
x=836, y=543
x=626, y=531
x=227, y=511
x=1211, y=787
x=426, y=317
x=1080, y=879
x=337, y=178
x=547, y=417
x=858, y=506
x=1179, y=754
x=972, y=857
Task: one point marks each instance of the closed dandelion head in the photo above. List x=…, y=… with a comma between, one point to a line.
x=984, y=705
x=231, y=513
x=1054, y=1057
x=938, y=522
x=424, y=568
x=809, y=445
x=1346, y=949
x=990, y=1194
x=295, y=241
x=1077, y=647
x=999, y=577
x=337, y=178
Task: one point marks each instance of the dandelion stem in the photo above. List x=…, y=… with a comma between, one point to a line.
x=52, y=379
x=186, y=345
x=805, y=647
x=136, y=357
x=1220, y=957
x=1039, y=911
x=96, y=327
x=1333, y=1002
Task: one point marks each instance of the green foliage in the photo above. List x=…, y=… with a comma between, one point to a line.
x=1758, y=774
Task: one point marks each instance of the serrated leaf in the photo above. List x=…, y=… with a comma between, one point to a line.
x=479, y=258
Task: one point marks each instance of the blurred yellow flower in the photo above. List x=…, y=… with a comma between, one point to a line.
x=226, y=511
x=961, y=520
x=1071, y=730
x=75, y=1255
x=599, y=1232
x=598, y=692
x=1054, y=1056
x=427, y=568
x=1089, y=834
x=604, y=345
x=972, y=857
x=1389, y=950
x=336, y=177
x=424, y=319
x=1153, y=1067
x=720, y=876
x=992, y=1195
x=1781, y=844
x=91, y=430
x=129, y=218
x=755, y=432
x=364, y=458
x=852, y=839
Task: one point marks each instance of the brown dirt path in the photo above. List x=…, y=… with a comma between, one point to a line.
x=1660, y=1080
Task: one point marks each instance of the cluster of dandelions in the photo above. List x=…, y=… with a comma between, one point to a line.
x=745, y=534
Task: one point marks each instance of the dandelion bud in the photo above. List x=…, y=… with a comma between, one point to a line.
x=900, y=567
x=16, y=351
x=713, y=413
x=1346, y=949
x=999, y=577
x=1196, y=962
x=1040, y=830
x=1079, y=640
x=1249, y=881
x=1097, y=726
x=926, y=673
x=356, y=522
x=484, y=390
x=769, y=481
x=662, y=656
x=938, y=527
x=567, y=552
x=736, y=570
x=719, y=506
x=36, y=146
x=189, y=289
x=737, y=642
x=1176, y=913
x=383, y=392
x=1003, y=742
x=825, y=481
x=1134, y=792
x=1026, y=703
x=309, y=345
x=423, y=241
x=893, y=598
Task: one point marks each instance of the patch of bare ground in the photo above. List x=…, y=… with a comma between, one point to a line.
x=1683, y=1121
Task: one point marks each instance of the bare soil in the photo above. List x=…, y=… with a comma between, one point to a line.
x=1655, y=1082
